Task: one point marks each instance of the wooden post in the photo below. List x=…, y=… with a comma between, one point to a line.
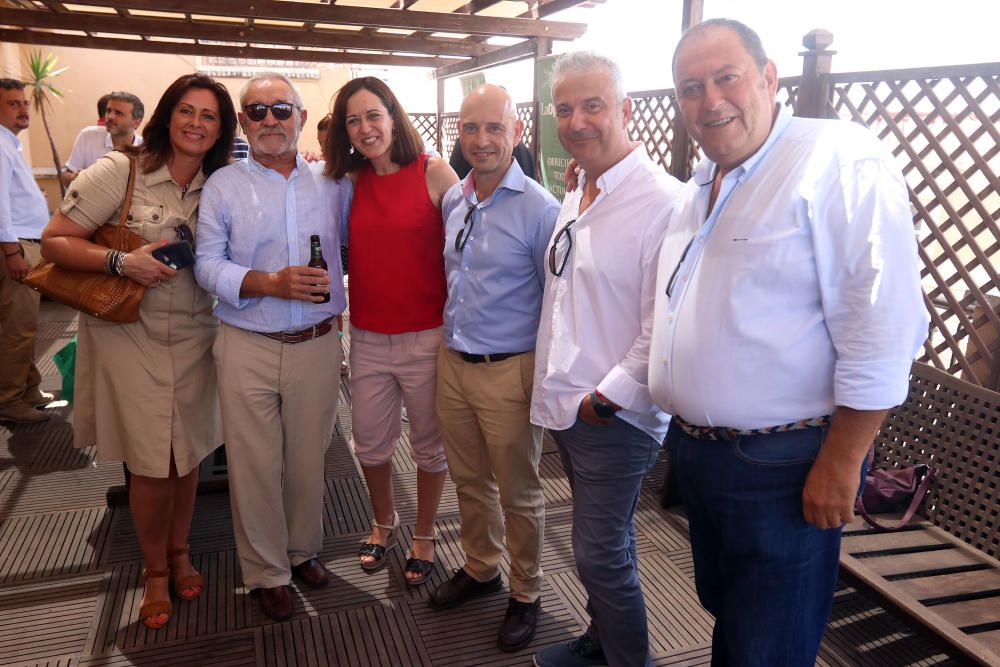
x=813, y=100
x=440, y=113
x=680, y=146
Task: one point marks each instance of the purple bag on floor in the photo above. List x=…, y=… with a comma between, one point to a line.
x=892, y=490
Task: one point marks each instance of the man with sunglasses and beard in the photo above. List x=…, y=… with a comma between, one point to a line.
x=276, y=359
x=498, y=223
x=592, y=350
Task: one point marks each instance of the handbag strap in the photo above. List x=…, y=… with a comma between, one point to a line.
x=918, y=497
x=120, y=235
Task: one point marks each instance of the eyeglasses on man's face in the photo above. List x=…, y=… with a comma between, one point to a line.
x=258, y=111
x=560, y=250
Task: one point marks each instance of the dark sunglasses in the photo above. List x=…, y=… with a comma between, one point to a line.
x=462, y=238
x=561, y=247
x=184, y=233
x=280, y=111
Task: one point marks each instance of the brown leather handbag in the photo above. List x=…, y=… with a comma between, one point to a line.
x=112, y=298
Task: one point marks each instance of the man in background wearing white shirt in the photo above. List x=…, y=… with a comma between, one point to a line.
x=788, y=312
x=121, y=120
x=592, y=351
x=23, y=214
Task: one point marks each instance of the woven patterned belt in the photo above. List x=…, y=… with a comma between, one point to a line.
x=292, y=337
x=488, y=358
x=722, y=433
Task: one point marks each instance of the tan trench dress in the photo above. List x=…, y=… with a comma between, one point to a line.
x=147, y=388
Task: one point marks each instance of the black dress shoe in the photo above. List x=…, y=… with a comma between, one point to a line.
x=276, y=602
x=518, y=627
x=312, y=573
x=460, y=588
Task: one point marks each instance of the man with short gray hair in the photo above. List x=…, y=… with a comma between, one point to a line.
x=592, y=351
x=276, y=361
x=123, y=114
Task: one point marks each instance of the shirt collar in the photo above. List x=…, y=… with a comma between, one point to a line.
x=704, y=173
x=300, y=165
x=513, y=180
x=11, y=138
x=619, y=173
x=162, y=175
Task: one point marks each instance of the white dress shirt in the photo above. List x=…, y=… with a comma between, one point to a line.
x=800, y=291
x=23, y=209
x=91, y=144
x=597, y=317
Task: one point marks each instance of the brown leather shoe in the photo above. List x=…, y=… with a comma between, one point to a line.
x=22, y=413
x=312, y=573
x=518, y=628
x=38, y=398
x=276, y=602
x=460, y=588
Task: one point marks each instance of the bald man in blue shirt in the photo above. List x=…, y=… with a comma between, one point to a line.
x=498, y=223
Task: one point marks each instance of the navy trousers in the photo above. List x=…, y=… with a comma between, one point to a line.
x=766, y=574
x=605, y=466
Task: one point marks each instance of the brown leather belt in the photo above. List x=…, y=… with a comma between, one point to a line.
x=293, y=337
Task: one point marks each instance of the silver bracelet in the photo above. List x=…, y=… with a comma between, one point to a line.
x=120, y=264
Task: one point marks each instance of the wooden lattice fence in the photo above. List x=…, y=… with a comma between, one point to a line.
x=942, y=126
x=426, y=125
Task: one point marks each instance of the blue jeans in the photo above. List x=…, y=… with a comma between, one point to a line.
x=605, y=466
x=766, y=574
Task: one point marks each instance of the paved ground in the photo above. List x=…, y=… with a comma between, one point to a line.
x=70, y=574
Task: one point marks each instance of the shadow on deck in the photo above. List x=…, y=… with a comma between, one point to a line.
x=70, y=569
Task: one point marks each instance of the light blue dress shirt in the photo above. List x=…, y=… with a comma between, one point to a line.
x=23, y=210
x=252, y=218
x=495, y=283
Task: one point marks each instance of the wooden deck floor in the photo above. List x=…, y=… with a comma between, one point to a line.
x=70, y=574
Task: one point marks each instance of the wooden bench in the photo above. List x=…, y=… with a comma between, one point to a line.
x=941, y=572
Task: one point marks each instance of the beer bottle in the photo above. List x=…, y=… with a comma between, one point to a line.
x=316, y=261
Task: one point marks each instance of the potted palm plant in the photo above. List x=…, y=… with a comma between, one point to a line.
x=41, y=70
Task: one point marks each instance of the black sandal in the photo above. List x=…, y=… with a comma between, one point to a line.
x=422, y=568
x=378, y=551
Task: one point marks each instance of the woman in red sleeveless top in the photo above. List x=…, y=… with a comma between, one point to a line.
x=395, y=244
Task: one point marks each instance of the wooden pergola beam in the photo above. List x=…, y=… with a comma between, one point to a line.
x=235, y=32
x=224, y=51
x=508, y=54
x=408, y=19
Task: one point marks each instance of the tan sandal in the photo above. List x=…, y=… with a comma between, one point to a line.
x=150, y=610
x=188, y=582
x=422, y=568
x=377, y=551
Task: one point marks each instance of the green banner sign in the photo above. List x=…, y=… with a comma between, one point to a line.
x=552, y=156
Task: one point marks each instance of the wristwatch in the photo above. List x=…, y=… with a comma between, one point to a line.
x=602, y=407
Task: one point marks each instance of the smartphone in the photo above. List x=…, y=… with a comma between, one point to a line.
x=176, y=255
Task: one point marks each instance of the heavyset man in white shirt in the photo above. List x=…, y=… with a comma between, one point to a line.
x=121, y=122
x=592, y=350
x=788, y=312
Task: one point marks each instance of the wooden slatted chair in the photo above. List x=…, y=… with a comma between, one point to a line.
x=941, y=571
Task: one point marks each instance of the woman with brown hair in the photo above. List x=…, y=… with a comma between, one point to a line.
x=395, y=245
x=146, y=391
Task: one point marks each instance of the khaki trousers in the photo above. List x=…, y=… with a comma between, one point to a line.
x=493, y=453
x=279, y=406
x=18, y=328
